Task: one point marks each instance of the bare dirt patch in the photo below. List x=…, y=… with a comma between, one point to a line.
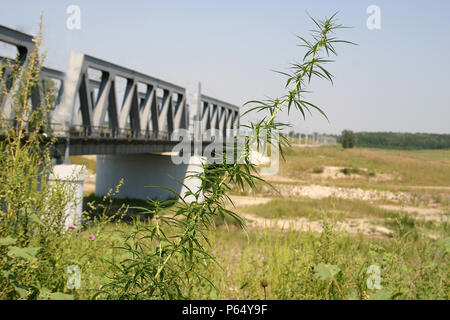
x=319, y=192
x=335, y=172
x=249, y=201
x=352, y=226
x=424, y=213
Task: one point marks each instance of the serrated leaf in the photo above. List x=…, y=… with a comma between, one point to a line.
x=28, y=253
x=326, y=271
x=7, y=241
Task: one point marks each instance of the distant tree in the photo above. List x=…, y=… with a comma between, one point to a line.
x=398, y=140
x=348, y=139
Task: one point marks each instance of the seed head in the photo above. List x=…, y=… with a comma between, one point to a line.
x=264, y=283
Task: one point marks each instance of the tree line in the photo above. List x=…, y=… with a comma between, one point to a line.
x=396, y=140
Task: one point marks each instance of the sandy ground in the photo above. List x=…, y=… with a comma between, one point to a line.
x=319, y=192
x=423, y=213
x=334, y=172
x=303, y=189
x=249, y=201
x=89, y=183
x=352, y=226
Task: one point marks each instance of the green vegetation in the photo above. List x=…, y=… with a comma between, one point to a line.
x=32, y=237
x=90, y=163
x=411, y=268
x=318, y=170
x=404, y=167
x=176, y=250
x=314, y=209
x=395, y=140
x=348, y=139
x=349, y=171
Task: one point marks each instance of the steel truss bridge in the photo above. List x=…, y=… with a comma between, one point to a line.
x=104, y=108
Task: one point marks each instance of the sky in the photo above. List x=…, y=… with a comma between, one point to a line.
x=395, y=79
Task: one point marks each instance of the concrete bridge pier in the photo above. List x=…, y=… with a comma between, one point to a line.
x=142, y=171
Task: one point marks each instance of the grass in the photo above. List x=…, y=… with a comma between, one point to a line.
x=90, y=163
x=349, y=171
x=318, y=170
x=411, y=267
x=413, y=168
x=95, y=206
x=313, y=209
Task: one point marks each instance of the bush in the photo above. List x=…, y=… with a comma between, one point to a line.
x=32, y=215
x=348, y=139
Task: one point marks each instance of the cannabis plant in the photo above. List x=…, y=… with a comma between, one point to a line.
x=165, y=259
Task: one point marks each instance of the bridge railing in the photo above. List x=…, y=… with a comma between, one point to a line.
x=105, y=132
x=138, y=112
x=218, y=115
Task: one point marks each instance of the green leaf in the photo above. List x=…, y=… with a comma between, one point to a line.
x=6, y=274
x=45, y=294
x=382, y=294
x=445, y=243
x=22, y=291
x=28, y=253
x=37, y=220
x=7, y=241
x=326, y=271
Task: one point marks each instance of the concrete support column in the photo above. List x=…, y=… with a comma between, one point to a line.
x=70, y=180
x=143, y=171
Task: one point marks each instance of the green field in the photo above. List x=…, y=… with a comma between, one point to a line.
x=408, y=239
x=413, y=255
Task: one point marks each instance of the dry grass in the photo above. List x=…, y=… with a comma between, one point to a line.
x=410, y=168
x=314, y=209
x=89, y=161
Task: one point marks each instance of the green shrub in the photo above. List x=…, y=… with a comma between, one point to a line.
x=348, y=139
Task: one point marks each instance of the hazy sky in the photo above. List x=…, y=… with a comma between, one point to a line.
x=397, y=79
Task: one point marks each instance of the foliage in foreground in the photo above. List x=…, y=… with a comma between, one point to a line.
x=32, y=217
x=164, y=258
x=295, y=265
x=332, y=265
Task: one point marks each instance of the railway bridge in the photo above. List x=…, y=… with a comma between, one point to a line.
x=130, y=120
